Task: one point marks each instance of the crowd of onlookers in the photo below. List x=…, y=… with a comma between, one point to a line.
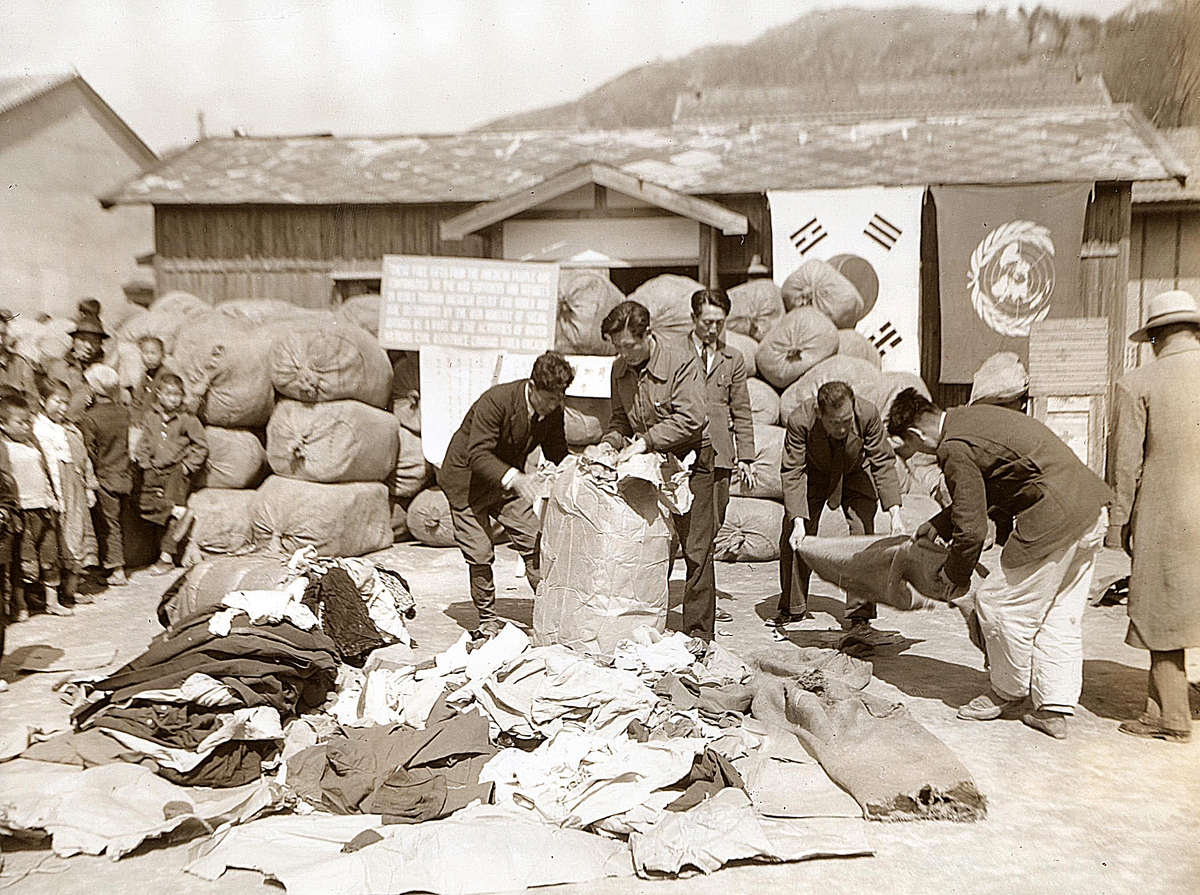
x=78, y=449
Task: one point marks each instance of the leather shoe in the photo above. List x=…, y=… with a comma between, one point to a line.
x=1139, y=727
x=1050, y=723
x=724, y=616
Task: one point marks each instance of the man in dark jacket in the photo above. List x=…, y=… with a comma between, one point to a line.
x=1031, y=607
x=834, y=454
x=484, y=479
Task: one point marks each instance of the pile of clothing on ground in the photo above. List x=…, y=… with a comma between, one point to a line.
x=545, y=764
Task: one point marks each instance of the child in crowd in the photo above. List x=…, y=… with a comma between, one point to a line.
x=10, y=521
x=35, y=546
x=153, y=353
x=170, y=447
x=106, y=434
x=74, y=485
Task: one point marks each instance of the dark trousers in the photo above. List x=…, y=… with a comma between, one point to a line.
x=698, y=532
x=794, y=574
x=474, y=524
x=106, y=518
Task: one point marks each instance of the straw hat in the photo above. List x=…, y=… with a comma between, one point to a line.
x=1176, y=306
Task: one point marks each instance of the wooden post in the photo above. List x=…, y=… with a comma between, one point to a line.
x=709, y=242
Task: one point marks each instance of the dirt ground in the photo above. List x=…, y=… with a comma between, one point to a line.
x=1099, y=812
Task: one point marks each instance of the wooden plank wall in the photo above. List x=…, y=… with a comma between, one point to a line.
x=287, y=253
x=734, y=252
x=1165, y=255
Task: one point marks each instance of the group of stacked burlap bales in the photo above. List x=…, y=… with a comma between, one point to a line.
x=793, y=339
x=303, y=448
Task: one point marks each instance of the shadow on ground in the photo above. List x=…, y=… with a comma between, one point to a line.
x=514, y=609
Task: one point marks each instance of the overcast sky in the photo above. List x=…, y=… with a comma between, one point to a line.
x=373, y=66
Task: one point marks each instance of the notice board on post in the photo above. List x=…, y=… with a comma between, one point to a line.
x=1068, y=382
x=464, y=315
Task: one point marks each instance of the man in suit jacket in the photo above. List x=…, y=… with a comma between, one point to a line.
x=730, y=427
x=658, y=404
x=1031, y=607
x=483, y=474
x=835, y=454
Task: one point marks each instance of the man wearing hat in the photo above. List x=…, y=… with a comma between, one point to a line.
x=16, y=373
x=1157, y=510
x=87, y=348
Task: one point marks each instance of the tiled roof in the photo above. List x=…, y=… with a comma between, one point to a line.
x=16, y=90
x=1185, y=143
x=1018, y=89
x=1110, y=144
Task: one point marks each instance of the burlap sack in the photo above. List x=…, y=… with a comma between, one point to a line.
x=1000, y=379
x=429, y=519
x=818, y=284
x=236, y=459
x=335, y=441
x=206, y=583
x=223, y=363
x=164, y=318
x=768, y=446
x=866, y=381
x=362, y=311
x=224, y=520
x=764, y=403
x=584, y=299
x=668, y=298
x=329, y=363
x=413, y=473
x=751, y=531
x=585, y=420
x=852, y=343
x=797, y=343
x=756, y=306
x=349, y=519
x=746, y=347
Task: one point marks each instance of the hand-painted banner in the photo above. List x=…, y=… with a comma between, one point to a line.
x=1008, y=257
x=873, y=236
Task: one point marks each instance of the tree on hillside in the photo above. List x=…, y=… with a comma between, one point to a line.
x=1152, y=59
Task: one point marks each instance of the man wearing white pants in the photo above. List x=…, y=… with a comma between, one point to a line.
x=1000, y=462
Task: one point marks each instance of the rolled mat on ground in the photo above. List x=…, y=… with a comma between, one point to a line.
x=223, y=363
x=334, y=441
x=755, y=306
x=668, y=298
x=852, y=343
x=751, y=531
x=768, y=447
x=764, y=402
x=584, y=299
x=328, y=363
x=863, y=377
x=875, y=750
x=349, y=519
x=746, y=347
x=799, y=341
x=224, y=520
x=236, y=459
x=429, y=519
x=819, y=284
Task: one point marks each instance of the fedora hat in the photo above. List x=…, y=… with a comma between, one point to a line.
x=1176, y=306
x=89, y=326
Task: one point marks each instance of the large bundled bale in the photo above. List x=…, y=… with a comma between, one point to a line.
x=329, y=363
x=896, y=381
x=1001, y=379
x=768, y=447
x=126, y=359
x=224, y=520
x=412, y=472
x=819, y=285
x=208, y=582
x=756, y=306
x=604, y=562
x=668, y=298
x=585, y=420
x=361, y=311
x=429, y=519
x=348, y=519
x=746, y=347
x=40, y=340
x=852, y=343
x=223, y=364
x=794, y=345
x=400, y=530
x=236, y=459
x=584, y=299
x=336, y=441
x=862, y=377
x=751, y=531
x=165, y=318
x=764, y=402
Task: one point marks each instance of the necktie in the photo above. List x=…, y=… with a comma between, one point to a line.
x=838, y=473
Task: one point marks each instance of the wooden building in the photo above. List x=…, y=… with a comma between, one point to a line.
x=308, y=219
x=60, y=145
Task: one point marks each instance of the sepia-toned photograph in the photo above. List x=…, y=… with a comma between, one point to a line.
x=600, y=447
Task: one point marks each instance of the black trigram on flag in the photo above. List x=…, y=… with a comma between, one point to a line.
x=882, y=231
x=808, y=236
x=885, y=338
